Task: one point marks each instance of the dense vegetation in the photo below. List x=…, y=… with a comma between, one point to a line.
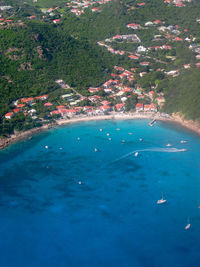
x=36, y=53
x=183, y=94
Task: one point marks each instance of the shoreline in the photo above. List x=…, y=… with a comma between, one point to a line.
x=175, y=118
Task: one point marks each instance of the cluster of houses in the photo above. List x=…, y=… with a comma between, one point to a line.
x=116, y=93
x=24, y=105
x=178, y=3
x=77, y=7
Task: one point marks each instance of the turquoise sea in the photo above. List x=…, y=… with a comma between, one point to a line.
x=63, y=204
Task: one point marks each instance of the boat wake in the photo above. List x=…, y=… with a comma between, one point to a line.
x=156, y=149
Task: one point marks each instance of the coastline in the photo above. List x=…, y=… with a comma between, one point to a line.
x=175, y=118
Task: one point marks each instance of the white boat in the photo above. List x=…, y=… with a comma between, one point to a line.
x=123, y=141
x=161, y=201
x=140, y=139
x=168, y=145
x=117, y=129
x=78, y=138
x=108, y=134
x=100, y=130
x=183, y=141
x=136, y=154
x=95, y=149
x=109, y=139
x=46, y=147
x=130, y=133
x=187, y=226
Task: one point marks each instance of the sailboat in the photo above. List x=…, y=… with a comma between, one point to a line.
x=162, y=200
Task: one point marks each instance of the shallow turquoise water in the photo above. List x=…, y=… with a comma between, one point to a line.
x=71, y=206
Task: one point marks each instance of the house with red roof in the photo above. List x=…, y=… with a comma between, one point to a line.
x=105, y=108
x=119, y=68
x=139, y=107
x=28, y=100
x=133, y=26
x=60, y=107
x=141, y=4
x=20, y=105
x=95, y=9
x=147, y=108
x=133, y=57
x=144, y=63
x=105, y=102
x=48, y=104
x=9, y=115
x=140, y=96
x=120, y=106
x=157, y=21
x=42, y=97
x=151, y=94
x=153, y=107
x=16, y=110
x=55, y=112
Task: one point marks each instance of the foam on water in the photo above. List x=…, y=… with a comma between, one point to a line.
x=156, y=149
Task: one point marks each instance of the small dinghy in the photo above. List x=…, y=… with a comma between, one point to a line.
x=168, y=145
x=183, y=141
x=187, y=226
x=46, y=147
x=95, y=149
x=136, y=154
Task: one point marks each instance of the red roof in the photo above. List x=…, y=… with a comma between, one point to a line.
x=48, y=104
x=60, y=107
x=133, y=57
x=105, y=102
x=9, y=114
x=157, y=21
x=119, y=106
x=178, y=39
x=16, y=110
x=25, y=100
x=139, y=105
x=55, y=112
x=141, y=4
x=20, y=105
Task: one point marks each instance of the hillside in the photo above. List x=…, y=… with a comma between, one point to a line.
x=43, y=41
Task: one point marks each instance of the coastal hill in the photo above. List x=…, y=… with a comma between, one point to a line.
x=149, y=51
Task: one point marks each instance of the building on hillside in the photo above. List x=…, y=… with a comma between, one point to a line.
x=9, y=115
x=139, y=107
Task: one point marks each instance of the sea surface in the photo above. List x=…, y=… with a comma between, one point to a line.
x=64, y=203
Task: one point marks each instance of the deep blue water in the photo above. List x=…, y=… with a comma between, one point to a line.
x=71, y=206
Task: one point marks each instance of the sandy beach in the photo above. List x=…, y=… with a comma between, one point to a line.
x=175, y=118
